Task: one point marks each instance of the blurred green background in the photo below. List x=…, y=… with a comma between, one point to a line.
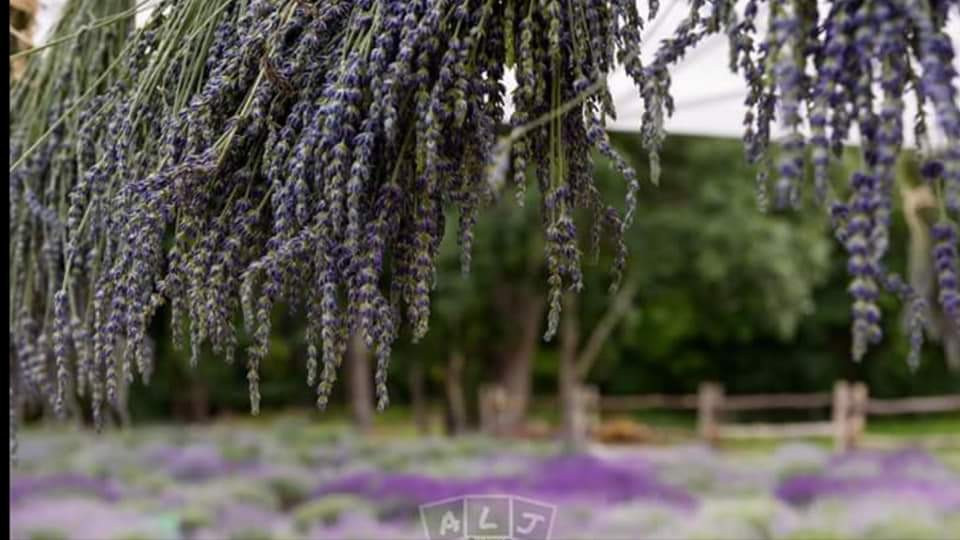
x=756, y=301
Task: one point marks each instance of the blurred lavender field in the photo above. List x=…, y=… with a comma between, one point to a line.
x=297, y=479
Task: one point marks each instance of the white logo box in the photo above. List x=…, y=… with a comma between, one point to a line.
x=488, y=517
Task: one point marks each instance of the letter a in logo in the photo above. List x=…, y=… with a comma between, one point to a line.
x=449, y=524
x=444, y=520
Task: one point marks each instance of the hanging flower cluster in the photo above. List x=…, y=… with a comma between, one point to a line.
x=240, y=154
x=846, y=71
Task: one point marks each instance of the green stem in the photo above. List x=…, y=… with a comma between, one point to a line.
x=63, y=117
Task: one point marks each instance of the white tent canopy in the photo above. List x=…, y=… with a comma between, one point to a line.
x=709, y=98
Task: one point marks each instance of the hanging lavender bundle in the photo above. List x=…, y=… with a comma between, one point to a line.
x=308, y=153
x=256, y=152
x=52, y=148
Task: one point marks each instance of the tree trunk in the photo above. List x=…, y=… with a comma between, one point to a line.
x=574, y=428
x=199, y=402
x=119, y=414
x=419, y=398
x=360, y=385
x=517, y=369
x=456, y=400
x=575, y=363
x=74, y=408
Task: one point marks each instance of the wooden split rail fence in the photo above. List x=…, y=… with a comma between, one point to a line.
x=850, y=405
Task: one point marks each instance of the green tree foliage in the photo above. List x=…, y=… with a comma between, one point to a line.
x=725, y=292
x=715, y=273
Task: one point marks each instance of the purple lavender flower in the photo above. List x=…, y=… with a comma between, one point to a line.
x=945, y=265
x=25, y=487
x=804, y=489
x=554, y=480
x=197, y=463
x=862, y=266
x=932, y=169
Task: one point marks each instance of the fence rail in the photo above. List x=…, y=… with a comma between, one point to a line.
x=777, y=401
x=649, y=401
x=914, y=405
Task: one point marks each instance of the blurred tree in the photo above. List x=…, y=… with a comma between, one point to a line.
x=495, y=312
x=359, y=375
x=706, y=265
x=708, y=270
x=722, y=292
x=713, y=271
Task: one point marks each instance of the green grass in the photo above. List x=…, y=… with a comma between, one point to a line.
x=657, y=418
x=769, y=445
x=397, y=422
x=940, y=424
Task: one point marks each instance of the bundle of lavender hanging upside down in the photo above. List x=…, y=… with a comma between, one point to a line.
x=244, y=153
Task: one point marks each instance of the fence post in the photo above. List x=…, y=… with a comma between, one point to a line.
x=591, y=406
x=709, y=402
x=493, y=401
x=859, y=399
x=841, y=412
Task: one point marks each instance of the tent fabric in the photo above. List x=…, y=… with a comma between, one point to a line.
x=709, y=98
